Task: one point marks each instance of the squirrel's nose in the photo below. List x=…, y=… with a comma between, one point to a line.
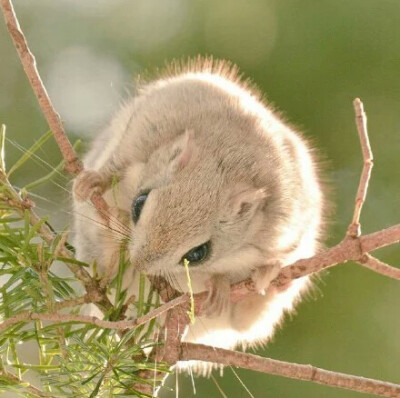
x=140, y=262
x=142, y=259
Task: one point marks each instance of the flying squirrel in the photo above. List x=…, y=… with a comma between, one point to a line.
x=197, y=167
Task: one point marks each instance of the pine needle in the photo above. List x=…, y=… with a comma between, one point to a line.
x=189, y=283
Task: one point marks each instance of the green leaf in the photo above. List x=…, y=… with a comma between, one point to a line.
x=28, y=154
x=72, y=261
x=97, y=388
x=57, y=170
x=2, y=148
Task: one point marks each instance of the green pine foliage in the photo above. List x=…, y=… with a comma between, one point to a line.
x=67, y=359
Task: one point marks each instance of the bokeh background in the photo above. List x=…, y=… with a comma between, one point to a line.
x=311, y=59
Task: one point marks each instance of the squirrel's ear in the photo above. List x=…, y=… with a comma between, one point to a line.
x=184, y=151
x=243, y=200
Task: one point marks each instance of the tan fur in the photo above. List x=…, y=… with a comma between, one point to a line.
x=220, y=166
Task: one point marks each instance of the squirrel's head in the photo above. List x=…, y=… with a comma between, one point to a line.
x=185, y=208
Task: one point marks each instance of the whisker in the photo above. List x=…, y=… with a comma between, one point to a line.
x=219, y=388
x=176, y=385
x=125, y=235
x=192, y=379
x=115, y=220
x=41, y=162
x=241, y=382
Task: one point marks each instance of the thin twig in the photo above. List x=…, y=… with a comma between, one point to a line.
x=349, y=249
x=62, y=318
x=72, y=164
x=164, y=289
x=376, y=240
x=287, y=369
x=378, y=266
x=61, y=305
x=354, y=229
x=28, y=61
x=116, y=325
x=29, y=388
x=178, y=301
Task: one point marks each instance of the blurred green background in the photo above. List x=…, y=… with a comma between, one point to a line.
x=311, y=59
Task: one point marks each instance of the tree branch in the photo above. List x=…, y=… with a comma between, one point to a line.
x=354, y=229
x=28, y=61
x=349, y=249
x=26, y=316
x=378, y=266
x=72, y=164
x=287, y=369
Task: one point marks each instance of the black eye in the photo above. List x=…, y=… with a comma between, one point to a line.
x=197, y=254
x=137, y=206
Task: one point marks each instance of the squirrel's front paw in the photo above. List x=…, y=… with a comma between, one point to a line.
x=87, y=182
x=218, y=299
x=262, y=276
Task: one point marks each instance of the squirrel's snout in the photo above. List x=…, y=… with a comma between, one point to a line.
x=140, y=262
x=143, y=260
x=138, y=265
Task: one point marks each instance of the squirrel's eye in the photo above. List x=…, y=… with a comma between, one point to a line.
x=137, y=206
x=198, y=253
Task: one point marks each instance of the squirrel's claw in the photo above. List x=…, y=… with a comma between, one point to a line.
x=262, y=276
x=87, y=182
x=218, y=299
